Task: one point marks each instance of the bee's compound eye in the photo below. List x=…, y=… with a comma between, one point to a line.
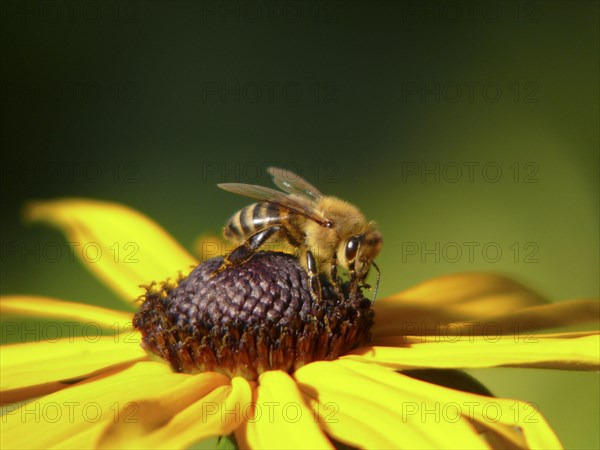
x=351, y=248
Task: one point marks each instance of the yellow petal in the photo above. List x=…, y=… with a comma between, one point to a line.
x=533, y=319
x=218, y=413
x=280, y=418
x=54, y=418
x=121, y=246
x=501, y=436
x=29, y=392
x=366, y=412
x=155, y=412
x=557, y=351
x=43, y=362
x=86, y=315
x=345, y=425
x=476, y=408
x=85, y=437
x=417, y=414
x=451, y=298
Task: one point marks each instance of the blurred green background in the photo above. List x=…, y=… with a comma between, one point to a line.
x=468, y=130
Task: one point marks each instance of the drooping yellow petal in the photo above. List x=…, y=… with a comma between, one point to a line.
x=531, y=320
x=121, y=246
x=557, y=351
x=528, y=320
x=476, y=408
x=280, y=417
x=102, y=400
x=217, y=413
x=345, y=425
x=501, y=436
x=35, y=306
x=361, y=411
x=36, y=363
x=157, y=410
x=451, y=298
x=29, y=392
x=85, y=437
x=417, y=414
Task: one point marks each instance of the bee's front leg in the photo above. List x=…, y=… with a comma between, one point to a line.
x=335, y=279
x=313, y=276
x=354, y=279
x=245, y=251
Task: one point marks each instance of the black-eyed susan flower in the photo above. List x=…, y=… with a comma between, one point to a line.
x=280, y=391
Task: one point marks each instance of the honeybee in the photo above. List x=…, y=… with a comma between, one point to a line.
x=325, y=231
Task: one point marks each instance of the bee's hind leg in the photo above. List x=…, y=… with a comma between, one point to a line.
x=314, y=283
x=245, y=251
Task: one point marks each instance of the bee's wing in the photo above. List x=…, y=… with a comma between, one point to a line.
x=294, y=184
x=265, y=194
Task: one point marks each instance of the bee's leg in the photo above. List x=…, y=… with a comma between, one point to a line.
x=353, y=278
x=362, y=279
x=244, y=252
x=313, y=276
x=333, y=276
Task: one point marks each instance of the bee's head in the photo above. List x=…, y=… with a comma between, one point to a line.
x=361, y=249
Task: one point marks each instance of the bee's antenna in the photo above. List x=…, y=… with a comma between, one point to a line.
x=377, y=283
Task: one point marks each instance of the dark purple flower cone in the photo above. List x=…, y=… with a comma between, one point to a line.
x=249, y=319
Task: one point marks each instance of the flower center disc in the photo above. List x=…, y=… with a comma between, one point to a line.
x=251, y=318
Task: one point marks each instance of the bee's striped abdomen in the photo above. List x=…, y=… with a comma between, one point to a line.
x=254, y=218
